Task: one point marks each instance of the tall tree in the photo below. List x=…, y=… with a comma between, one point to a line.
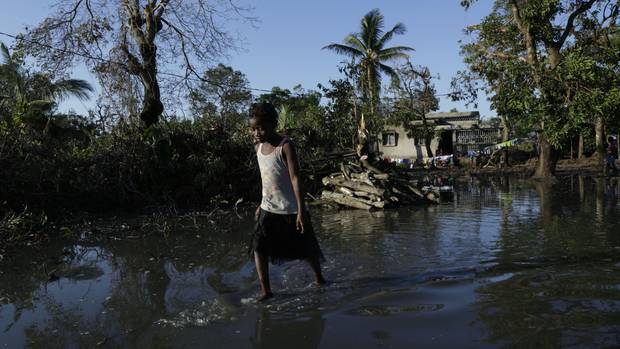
x=368, y=50
x=526, y=51
x=143, y=36
x=414, y=97
x=224, y=90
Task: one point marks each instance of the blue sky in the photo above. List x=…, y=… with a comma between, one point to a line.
x=284, y=49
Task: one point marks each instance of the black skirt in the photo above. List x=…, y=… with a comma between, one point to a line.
x=276, y=237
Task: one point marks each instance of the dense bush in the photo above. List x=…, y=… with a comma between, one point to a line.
x=174, y=163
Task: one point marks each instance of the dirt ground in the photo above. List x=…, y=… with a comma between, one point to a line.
x=586, y=166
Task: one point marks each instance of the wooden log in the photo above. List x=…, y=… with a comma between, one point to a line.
x=404, y=195
x=359, y=194
x=366, y=164
x=332, y=195
x=361, y=176
x=432, y=197
x=354, y=165
x=346, y=191
x=345, y=200
x=345, y=171
x=366, y=195
x=382, y=176
x=415, y=190
x=354, y=185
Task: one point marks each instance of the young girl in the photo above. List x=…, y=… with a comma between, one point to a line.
x=283, y=230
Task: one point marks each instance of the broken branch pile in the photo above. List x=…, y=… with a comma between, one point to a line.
x=354, y=187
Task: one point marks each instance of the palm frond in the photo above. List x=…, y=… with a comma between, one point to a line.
x=65, y=88
x=6, y=55
x=285, y=118
x=386, y=69
x=372, y=24
x=9, y=69
x=344, y=50
x=398, y=29
x=393, y=57
x=391, y=72
x=354, y=41
x=395, y=49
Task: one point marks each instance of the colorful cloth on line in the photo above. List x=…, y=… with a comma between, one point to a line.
x=506, y=144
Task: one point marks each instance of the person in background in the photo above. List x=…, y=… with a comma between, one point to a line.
x=612, y=154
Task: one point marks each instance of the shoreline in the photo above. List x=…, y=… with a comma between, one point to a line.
x=35, y=229
x=564, y=167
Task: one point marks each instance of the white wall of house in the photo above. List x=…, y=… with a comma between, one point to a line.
x=415, y=150
x=405, y=148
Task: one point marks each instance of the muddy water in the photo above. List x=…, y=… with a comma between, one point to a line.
x=507, y=263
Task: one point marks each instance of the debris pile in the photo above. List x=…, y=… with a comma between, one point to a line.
x=353, y=187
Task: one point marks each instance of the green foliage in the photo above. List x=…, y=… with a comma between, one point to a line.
x=20, y=227
x=558, y=83
x=224, y=91
x=413, y=97
x=317, y=129
x=31, y=98
x=185, y=163
x=54, y=161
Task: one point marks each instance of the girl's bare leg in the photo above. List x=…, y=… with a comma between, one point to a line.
x=316, y=268
x=262, y=268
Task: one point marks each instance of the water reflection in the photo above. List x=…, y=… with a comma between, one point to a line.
x=509, y=262
x=299, y=332
x=565, y=289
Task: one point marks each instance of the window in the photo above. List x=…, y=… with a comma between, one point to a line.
x=390, y=139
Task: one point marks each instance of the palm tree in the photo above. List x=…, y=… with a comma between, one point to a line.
x=367, y=49
x=34, y=96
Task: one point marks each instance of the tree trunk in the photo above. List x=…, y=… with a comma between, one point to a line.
x=144, y=30
x=505, y=137
x=600, y=142
x=580, y=146
x=600, y=186
x=545, y=191
x=427, y=144
x=152, y=107
x=547, y=158
x=371, y=94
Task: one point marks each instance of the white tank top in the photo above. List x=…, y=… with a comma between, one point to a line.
x=278, y=194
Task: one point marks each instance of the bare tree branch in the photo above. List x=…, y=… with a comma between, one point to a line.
x=571, y=19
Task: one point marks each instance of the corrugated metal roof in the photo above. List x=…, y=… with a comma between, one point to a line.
x=454, y=115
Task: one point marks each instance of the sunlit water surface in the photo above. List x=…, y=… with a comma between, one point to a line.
x=508, y=263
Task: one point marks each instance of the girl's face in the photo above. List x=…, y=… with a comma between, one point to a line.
x=261, y=130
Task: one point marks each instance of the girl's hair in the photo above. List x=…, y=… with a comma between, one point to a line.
x=264, y=111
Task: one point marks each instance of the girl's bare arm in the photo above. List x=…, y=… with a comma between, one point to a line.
x=293, y=170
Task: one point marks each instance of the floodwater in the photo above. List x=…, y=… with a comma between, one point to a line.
x=508, y=263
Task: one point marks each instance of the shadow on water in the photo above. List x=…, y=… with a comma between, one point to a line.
x=509, y=262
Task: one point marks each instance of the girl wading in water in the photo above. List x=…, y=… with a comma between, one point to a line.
x=283, y=230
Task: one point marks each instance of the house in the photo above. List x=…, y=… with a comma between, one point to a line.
x=456, y=133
